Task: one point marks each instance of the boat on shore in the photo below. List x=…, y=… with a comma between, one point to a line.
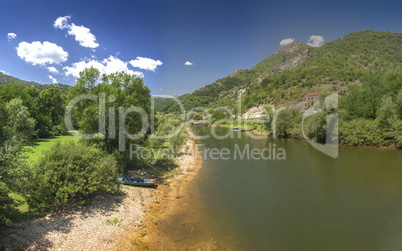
x=137, y=181
x=235, y=128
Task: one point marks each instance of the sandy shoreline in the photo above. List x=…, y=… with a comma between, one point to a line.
x=167, y=224
x=109, y=222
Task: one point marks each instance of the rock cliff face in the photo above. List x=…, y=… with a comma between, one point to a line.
x=300, y=55
x=254, y=113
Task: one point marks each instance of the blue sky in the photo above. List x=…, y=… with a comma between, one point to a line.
x=155, y=39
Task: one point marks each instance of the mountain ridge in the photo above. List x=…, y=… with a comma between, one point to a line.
x=296, y=69
x=8, y=79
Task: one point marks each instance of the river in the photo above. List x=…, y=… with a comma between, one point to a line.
x=308, y=201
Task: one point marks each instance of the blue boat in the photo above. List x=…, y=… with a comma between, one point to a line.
x=137, y=181
x=235, y=128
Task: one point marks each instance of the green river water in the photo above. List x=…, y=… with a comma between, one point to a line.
x=307, y=202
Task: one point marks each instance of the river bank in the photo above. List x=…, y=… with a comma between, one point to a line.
x=109, y=222
x=169, y=223
x=269, y=134
x=316, y=202
x=243, y=129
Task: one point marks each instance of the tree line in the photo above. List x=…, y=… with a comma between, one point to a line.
x=70, y=173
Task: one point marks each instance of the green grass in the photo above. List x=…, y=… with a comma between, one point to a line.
x=38, y=146
x=19, y=210
x=115, y=222
x=255, y=125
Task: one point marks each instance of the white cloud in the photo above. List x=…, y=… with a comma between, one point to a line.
x=38, y=53
x=188, y=63
x=11, y=36
x=4, y=72
x=61, y=22
x=54, y=81
x=106, y=66
x=316, y=41
x=77, y=67
x=81, y=33
x=113, y=64
x=52, y=70
x=286, y=41
x=146, y=63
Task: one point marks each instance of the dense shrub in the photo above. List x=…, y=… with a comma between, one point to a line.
x=69, y=173
x=315, y=127
x=284, y=123
x=397, y=133
x=361, y=132
x=172, y=128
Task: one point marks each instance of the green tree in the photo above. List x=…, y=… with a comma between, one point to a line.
x=284, y=123
x=16, y=127
x=3, y=121
x=397, y=133
x=361, y=132
x=121, y=91
x=19, y=123
x=219, y=114
x=88, y=78
x=316, y=127
x=399, y=104
x=51, y=105
x=69, y=173
x=387, y=113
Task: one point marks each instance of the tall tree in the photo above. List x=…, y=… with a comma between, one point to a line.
x=387, y=113
x=399, y=104
x=121, y=91
x=19, y=123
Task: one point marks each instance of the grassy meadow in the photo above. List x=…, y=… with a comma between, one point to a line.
x=38, y=146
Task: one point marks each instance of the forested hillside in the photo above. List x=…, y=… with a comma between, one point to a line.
x=7, y=79
x=297, y=69
x=162, y=104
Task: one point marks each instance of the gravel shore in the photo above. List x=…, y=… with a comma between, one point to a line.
x=108, y=222
x=93, y=227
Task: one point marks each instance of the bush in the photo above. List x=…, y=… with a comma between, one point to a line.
x=362, y=132
x=69, y=173
x=284, y=123
x=397, y=131
x=58, y=130
x=315, y=127
x=4, y=201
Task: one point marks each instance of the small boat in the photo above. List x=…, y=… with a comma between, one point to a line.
x=235, y=128
x=137, y=181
